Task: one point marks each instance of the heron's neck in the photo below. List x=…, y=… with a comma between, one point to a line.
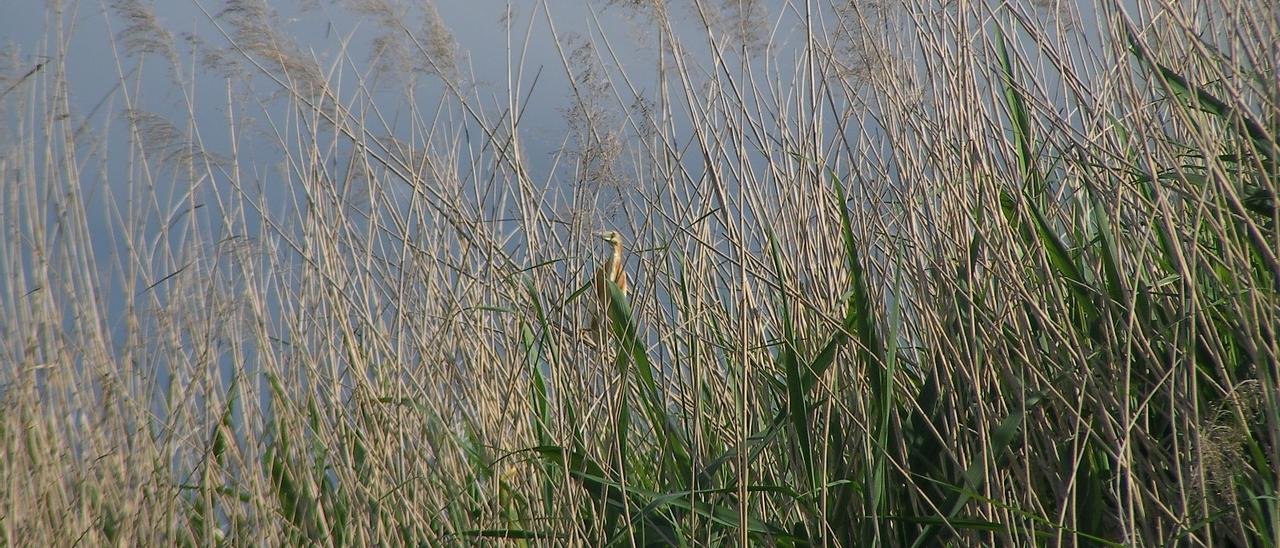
x=615, y=262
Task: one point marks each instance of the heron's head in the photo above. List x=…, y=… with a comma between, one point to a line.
x=610, y=236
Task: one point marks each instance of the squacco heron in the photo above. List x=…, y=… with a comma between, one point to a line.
x=611, y=271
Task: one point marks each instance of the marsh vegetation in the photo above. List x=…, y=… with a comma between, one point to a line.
x=902, y=273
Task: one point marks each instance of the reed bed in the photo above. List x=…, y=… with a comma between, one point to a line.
x=902, y=274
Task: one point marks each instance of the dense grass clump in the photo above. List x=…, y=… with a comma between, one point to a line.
x=903, y=274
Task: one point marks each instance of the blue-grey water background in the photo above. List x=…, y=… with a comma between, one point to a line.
x=117, y=71
x=104, y=74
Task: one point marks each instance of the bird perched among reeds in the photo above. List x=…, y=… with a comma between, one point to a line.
x=611, y=271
